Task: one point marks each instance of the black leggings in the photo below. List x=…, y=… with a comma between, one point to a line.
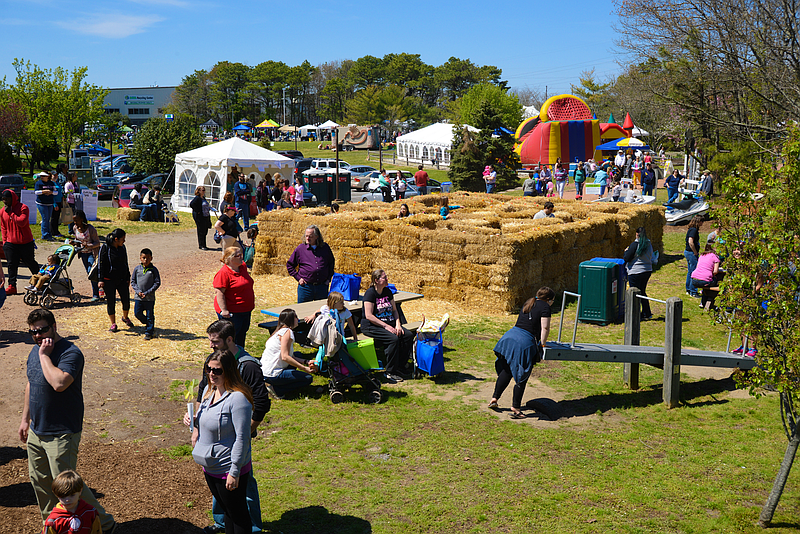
x=117, y=286
x=504, y=377
x=639, y=281
x=397, y=349
x=233, y=503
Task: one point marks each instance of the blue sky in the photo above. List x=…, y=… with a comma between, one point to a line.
x=141, y=43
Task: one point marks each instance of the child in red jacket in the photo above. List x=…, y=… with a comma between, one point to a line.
x=71, y=515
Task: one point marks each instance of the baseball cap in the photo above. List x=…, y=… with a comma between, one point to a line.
x=43, y=173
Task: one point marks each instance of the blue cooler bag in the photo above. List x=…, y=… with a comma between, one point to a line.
x=430, y=353
x=348, y=285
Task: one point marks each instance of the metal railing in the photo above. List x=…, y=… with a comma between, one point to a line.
x=561, y=322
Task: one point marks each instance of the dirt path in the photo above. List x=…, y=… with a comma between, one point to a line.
x=128, y=412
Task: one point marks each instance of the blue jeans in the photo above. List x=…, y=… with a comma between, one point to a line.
x=491, y=187
x=241, y=324
x=88, y=260
x=308, y=292
x=253, y=506
x=672, y=193
x=45, y=211
x=245, y=211
x=143, y=311
x=647, y=189
x=691, y=259
x=289, y=380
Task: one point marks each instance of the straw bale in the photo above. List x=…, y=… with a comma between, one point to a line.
x=466, y=273
x=353, y=260
x=448, y=292
x=128, y=214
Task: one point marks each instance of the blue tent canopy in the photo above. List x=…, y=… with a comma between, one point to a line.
x=241, y=127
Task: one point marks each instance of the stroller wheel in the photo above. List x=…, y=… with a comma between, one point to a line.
x=336, y=397
x=374, y=396
x=75, y=298
x=48, y=301
x=30, y=298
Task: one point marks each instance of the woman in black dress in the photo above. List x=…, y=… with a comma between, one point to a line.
x=201, y=213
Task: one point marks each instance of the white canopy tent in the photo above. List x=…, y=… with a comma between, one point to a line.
x=211, y=165
x=429, y=143
x=638, y=132
x=303, y=130
x=328, y=125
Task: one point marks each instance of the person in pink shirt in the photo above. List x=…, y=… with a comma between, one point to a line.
x=705, y=276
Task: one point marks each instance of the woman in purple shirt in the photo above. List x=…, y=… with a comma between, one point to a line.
x=311, y=264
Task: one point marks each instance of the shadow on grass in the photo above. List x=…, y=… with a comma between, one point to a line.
x=147, y=525
x=455, y=377
x=319, y=520
x=646, y=396
x=666, y=259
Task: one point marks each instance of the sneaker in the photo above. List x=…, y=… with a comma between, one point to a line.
x=148, y=337
x=94, y=299
x=11, y=290
x=393, y=378
x=271, y=391
x=751, y=353
x=113, y=328
x=30, y=287
x=740, y=350
x=128, y=322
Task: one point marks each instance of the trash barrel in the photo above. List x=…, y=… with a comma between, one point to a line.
x=622, y=281
x=598, y=285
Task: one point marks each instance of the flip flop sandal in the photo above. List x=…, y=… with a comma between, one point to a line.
x=517, y=415
x=494, y=406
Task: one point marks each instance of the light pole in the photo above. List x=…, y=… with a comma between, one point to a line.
x=284, y=105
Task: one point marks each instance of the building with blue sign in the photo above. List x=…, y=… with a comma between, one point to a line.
x=139, y=103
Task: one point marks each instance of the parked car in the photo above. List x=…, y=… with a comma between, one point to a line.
x=105, y=187
x=433, y=185
x=294, y=154
x=14, y=182
x=300, y=166
x=361, y=170
x=121, y=197
x=94, y=149
x=325, y=164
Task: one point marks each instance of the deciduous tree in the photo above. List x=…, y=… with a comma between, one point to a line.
x=159, y=141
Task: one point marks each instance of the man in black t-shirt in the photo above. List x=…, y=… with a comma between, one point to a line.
x=52, y=413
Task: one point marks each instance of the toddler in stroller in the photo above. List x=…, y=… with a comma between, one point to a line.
x=53, y=280
x=334, y=359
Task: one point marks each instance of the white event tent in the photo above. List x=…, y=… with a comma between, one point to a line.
x=431, y=142
x=211, y=165
x=307, y=128
x=328, y=125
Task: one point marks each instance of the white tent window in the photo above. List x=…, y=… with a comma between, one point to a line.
x=446, y=156
x=438, y=153
x=187, y=183
x=399, y=150
x=214, y=185
x=425, y=153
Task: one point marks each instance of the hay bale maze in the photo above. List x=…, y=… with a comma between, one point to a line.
x=491, y=253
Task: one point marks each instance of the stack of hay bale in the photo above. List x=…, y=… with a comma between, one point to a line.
x=128, y=214
x=491, y=252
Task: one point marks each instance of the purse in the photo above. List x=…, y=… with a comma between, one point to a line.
x=217, y=237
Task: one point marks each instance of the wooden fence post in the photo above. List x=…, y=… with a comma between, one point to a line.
x=672, y=351
x=630, y=373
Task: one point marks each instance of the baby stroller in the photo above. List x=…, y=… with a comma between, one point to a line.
x=60, y=285
x=335, y=361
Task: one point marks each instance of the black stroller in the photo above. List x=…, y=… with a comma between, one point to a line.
x=342, y=369
x=60, y=285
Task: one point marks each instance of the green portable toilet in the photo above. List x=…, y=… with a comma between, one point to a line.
x=598, y=285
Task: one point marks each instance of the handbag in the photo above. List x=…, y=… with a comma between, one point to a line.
x=217, y=237
x=348, y=285
x=66, y=214
x=430, y=352
x=94, y=275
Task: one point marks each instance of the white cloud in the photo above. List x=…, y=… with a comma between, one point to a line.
x=112, y=26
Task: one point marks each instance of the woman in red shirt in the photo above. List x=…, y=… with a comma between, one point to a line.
x=234, y=298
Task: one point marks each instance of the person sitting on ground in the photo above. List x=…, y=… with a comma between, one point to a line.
x=380, y=320
x=334, y=208
x=145, y=280
x=46, y=272
x=72, y=515
x=404, y=211
x=546, y=212
x=285, y=370
x=705, y=275
x=445, y=207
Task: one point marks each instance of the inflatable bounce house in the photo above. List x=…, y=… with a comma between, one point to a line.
x=565, y=128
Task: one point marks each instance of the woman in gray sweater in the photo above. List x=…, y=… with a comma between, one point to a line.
x=639, y=258
x=221, y=439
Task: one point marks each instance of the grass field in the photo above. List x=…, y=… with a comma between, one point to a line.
x=431, y=458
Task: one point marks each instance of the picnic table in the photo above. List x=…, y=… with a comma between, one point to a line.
x=304, y=309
